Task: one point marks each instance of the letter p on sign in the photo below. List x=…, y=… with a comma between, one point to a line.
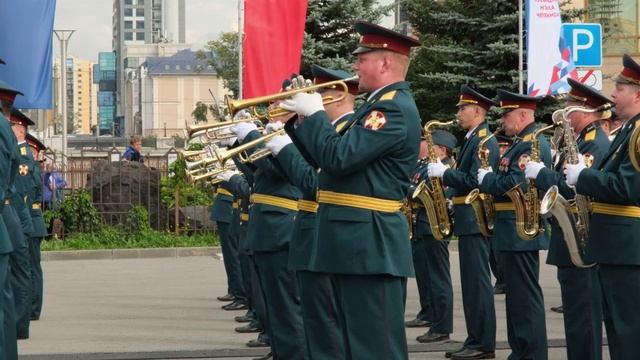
x=585, y=42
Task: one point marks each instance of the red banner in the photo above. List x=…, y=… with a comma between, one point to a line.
x=272, y=48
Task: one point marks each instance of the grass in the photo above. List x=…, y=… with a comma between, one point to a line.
x=110, y=238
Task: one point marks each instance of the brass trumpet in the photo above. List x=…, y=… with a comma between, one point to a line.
x=241, y=150
x=212, y=130
x=236, y=105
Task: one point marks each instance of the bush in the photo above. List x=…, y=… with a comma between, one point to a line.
x=190, y=194
x=78, y=213
x=137, y=220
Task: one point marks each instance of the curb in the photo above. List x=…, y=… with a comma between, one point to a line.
x=110, y=254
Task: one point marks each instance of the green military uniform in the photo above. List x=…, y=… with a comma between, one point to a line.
x=614, y=188
x=272, y=214
x=34, y=202
x=524, y=301
x=436, y=257
x=579, y=287
x=473, y=247
x=223, y=212
x=362, y=234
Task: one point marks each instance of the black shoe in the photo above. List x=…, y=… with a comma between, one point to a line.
x=451, y=352
x=35, y=318
x=432, y=337
x=473, y=354
x=266, y=357
x=417, y=323
x=247, y=329
x=243, y=319
x=22, y=337
x=236, y=305
x=498, y=289
x=227, y=297
x=256, y=343
x=558, y=309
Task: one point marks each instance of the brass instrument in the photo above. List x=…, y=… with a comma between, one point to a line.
x=574, y=224
x=434, y=199
x=212, y=130
x=634, y=148
x=409, y=214
x=527, y=206
x=241, y=150
x=482, y=204
x=236, y=105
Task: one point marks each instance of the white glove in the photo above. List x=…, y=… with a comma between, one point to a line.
x=227, y=175
x=243, y=129
x=228, y=141
x=572, y=171
x=533, y=169
x=273, y=127
x=304, y=104
x=482, y=173
x=436, y=169
x=278, y=143
x=242, y=114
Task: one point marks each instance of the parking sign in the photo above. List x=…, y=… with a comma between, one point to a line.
x=585, y=42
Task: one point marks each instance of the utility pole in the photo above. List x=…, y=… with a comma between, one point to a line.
x=63, y=36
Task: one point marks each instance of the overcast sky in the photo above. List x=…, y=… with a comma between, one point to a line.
x=91, y=19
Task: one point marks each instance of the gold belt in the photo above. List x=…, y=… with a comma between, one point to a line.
x=274, y=201
x=35, y=206
x=235, y=205
x=617, y=210
x=459, y=200
x=223, y=192
x=504, y=206
x=308, y=206
x=244, y=217
x=358, y=201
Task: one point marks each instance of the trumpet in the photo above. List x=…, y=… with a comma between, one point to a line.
x=213, y=131
x=241, y=150
x=236, y=105
x=198, y=174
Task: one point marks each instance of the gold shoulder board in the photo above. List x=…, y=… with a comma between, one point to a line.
x=388, y=96
x=482, y=133
x=591, y=135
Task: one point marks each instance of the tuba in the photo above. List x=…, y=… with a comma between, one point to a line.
x=434, y=199
x=572, y=216
x=482, y=204
x=527, y=206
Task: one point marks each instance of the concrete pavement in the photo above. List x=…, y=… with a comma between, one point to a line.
x=165, y=308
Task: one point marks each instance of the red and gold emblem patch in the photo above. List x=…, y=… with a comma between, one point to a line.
x=375, y=121
x=23, y=169
x=588, y=159
x=523, y=161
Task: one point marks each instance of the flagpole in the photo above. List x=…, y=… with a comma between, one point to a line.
x=520, y=50
x=240, y=42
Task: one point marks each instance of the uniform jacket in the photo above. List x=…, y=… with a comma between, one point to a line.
x=614, y=239
x=222, y=207
x=8, y=171
x=592, y=141
x=509, y=174
x=463, y=178
x=373, y=158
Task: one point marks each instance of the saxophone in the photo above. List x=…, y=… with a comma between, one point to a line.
x=434, y=199
x=574, y=224
x=482, y=204
x=527, y=206
x=634, y=148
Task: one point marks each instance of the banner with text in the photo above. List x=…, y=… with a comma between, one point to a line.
x=272, y=47
x=26, y=40
x=549, y=60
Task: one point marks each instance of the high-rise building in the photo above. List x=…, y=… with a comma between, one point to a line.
x=104, y=75
x=138, y=22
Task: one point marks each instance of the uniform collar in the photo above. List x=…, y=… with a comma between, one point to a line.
x=394, y=86
x=341, y=117
x=527, y=130
x=594, y=125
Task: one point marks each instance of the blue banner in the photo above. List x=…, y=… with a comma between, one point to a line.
x=26, y=40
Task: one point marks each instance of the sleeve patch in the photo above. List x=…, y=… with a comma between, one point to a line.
x=591, y=135
x=375, y=121
x=388, y=96
x=523, y=161
x=588, y=159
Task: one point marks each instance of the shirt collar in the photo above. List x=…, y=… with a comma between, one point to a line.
x=340, y=117
x=470, y=132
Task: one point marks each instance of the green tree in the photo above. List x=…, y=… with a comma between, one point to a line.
x=224, y=58
x=199, y=114
x=464, y=42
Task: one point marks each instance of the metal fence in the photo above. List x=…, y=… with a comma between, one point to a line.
x=117, y=187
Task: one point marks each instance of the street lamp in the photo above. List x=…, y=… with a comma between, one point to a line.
x=63, y=36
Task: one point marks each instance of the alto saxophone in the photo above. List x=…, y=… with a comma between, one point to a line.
x=574, y=224
x=527, y=206
x=482, y=204
x=434, y=199
x=634, y=148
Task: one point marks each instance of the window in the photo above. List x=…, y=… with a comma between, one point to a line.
x=619, y=21
x=128, y=12
x=128, y=2
x=128, y=35
x=166, y=67
x=140, y=12
x=140, y=36
x=128, y=24
x=139, y=24
x=188, y=67
x=177, y=67
x=141, y=2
